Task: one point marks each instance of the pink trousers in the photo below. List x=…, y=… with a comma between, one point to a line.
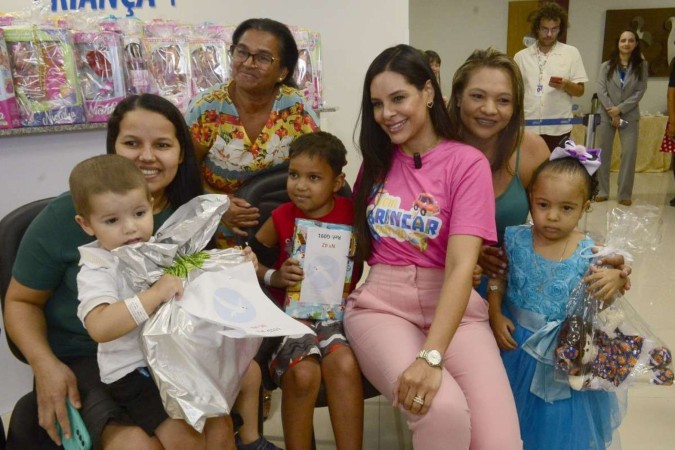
x=386, y=323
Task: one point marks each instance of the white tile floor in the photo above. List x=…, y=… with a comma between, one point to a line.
x=649, y=423
x=651, y=409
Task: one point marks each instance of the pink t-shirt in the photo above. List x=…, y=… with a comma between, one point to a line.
x=413, y=215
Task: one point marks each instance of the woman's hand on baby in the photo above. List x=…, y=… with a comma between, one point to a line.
x=251, y=256
x=494, y=262
x=418, y=380
x=167, y=287
x=240, y=215
x=604, y=283
x=502, y=327
x=288, y=274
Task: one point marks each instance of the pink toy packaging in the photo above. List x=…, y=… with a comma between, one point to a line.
x=9, y=111
x=136, y=71
x=208, y=61
x=45, y=77
x=307, y=73
x=170, y=68
x=100, y=72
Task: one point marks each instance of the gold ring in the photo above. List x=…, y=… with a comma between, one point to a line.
x=419, y=400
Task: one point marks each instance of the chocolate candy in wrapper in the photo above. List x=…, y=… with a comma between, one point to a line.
x=100, y=71
x=45, y=77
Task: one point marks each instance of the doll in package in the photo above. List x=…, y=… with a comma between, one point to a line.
x=99, y=66
x=308, y=70
x=208, y=60
x=45, y=78
x=9, y=111
x=170, y=68
x=606, y=345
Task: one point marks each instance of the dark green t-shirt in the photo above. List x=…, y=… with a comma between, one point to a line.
x=48, y=259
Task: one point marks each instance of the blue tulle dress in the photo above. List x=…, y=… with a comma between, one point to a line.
x=552, y=416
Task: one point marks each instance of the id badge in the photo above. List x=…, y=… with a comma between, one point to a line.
x=539, y=91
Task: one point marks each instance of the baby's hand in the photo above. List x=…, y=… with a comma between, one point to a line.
x=502, y=328
x=288, y=274
x=604, y=283
x=251, y=256
x=167, y=287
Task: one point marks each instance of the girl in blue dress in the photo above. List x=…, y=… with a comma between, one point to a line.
x=546, y=264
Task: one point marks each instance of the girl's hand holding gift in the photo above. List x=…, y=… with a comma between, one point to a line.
x=604, y=283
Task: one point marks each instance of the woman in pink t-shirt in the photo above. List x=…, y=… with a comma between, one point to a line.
x=424, y=207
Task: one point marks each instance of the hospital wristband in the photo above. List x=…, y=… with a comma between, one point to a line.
x=136, y=309
x=267, y=279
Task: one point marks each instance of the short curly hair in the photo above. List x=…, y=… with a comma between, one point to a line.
x=548, y=11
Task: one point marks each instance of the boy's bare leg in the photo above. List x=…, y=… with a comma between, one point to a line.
x=344, y=392
x=219, y=433
x=300, y=387
x=176, y=434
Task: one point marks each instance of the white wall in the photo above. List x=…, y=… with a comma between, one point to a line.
x=454, y=28
x=353, y=33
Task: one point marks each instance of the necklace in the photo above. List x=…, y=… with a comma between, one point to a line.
x=545, y=277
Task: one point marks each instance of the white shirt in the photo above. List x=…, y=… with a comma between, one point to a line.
x=537, y=68
x=100, y=282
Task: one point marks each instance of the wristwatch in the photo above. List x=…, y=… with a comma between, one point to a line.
x=432, y=357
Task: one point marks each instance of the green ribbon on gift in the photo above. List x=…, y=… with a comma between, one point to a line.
x=183, y=265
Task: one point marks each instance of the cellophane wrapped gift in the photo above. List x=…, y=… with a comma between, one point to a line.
x=101, y=72
x=607, y=345
x=169, y=64
x=9, y=110
x=45, y=77
x=195, y=362
x=307, y=73
x=139, y=80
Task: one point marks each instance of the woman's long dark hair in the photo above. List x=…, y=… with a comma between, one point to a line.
x=376, y=147
x=287, y=45
x=635, y=60
x=187, y=184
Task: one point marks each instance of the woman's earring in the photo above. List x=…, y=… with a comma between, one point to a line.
x=430, y=104
x=280, y=80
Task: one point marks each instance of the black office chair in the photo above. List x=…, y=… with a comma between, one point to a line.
x=266, y=191
x=12, y=228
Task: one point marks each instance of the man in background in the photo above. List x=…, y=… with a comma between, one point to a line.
x=553, y=73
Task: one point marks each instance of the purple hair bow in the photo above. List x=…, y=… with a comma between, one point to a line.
x=589, y=158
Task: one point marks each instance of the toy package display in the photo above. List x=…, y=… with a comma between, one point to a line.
x=308, y=70
x=607, y=346
x=170, y=68
x=9, y=111
x=325, y=252
x=137, y=74
x=209, y=63
x=100, y=72
x=45, y=77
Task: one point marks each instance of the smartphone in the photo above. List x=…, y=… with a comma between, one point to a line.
x=555, y=80
x=79, y=436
